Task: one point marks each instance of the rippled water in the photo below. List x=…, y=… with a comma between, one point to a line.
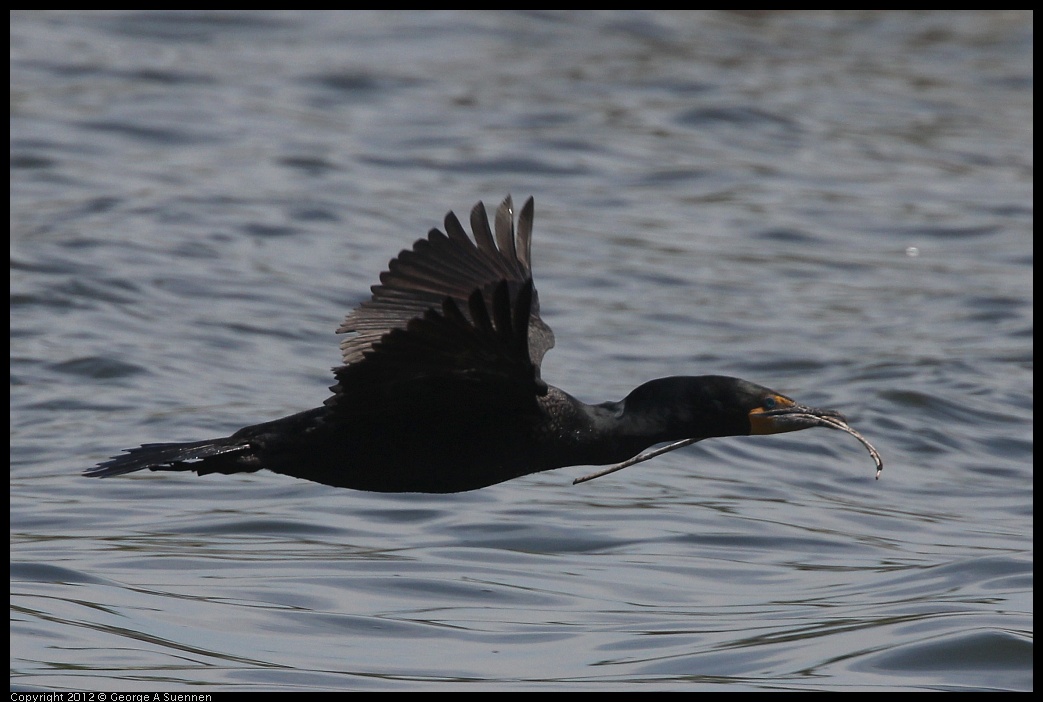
x=838, y=206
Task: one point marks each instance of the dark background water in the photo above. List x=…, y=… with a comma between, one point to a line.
x=836, y=205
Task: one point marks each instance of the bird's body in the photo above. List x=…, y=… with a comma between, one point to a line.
x=440, y=390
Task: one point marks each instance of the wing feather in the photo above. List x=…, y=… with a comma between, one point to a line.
x=454, y=312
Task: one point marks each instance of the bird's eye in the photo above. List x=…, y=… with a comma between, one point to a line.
x=769, y=403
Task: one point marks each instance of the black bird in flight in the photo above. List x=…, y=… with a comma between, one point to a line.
x=440, y=390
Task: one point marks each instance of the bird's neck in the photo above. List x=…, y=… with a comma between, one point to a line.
x=611, y=432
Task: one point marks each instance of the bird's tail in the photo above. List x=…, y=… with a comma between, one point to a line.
x=212, y=456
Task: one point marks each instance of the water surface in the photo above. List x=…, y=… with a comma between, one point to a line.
x=836, y=205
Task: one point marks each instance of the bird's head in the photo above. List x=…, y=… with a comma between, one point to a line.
x=715, y=405
x=688, y=409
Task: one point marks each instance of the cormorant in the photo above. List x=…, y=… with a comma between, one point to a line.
x=440, y=390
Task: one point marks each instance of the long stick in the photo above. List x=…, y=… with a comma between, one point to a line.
x=641, y=458
x=829, y=422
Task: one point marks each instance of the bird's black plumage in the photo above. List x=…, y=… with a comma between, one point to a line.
x=440, y=389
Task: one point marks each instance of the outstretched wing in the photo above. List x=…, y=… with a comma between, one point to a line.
x=452, y=318
x=450, y=265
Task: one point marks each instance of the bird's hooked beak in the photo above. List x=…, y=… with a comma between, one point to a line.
x=786, y=415
x=789, y=416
